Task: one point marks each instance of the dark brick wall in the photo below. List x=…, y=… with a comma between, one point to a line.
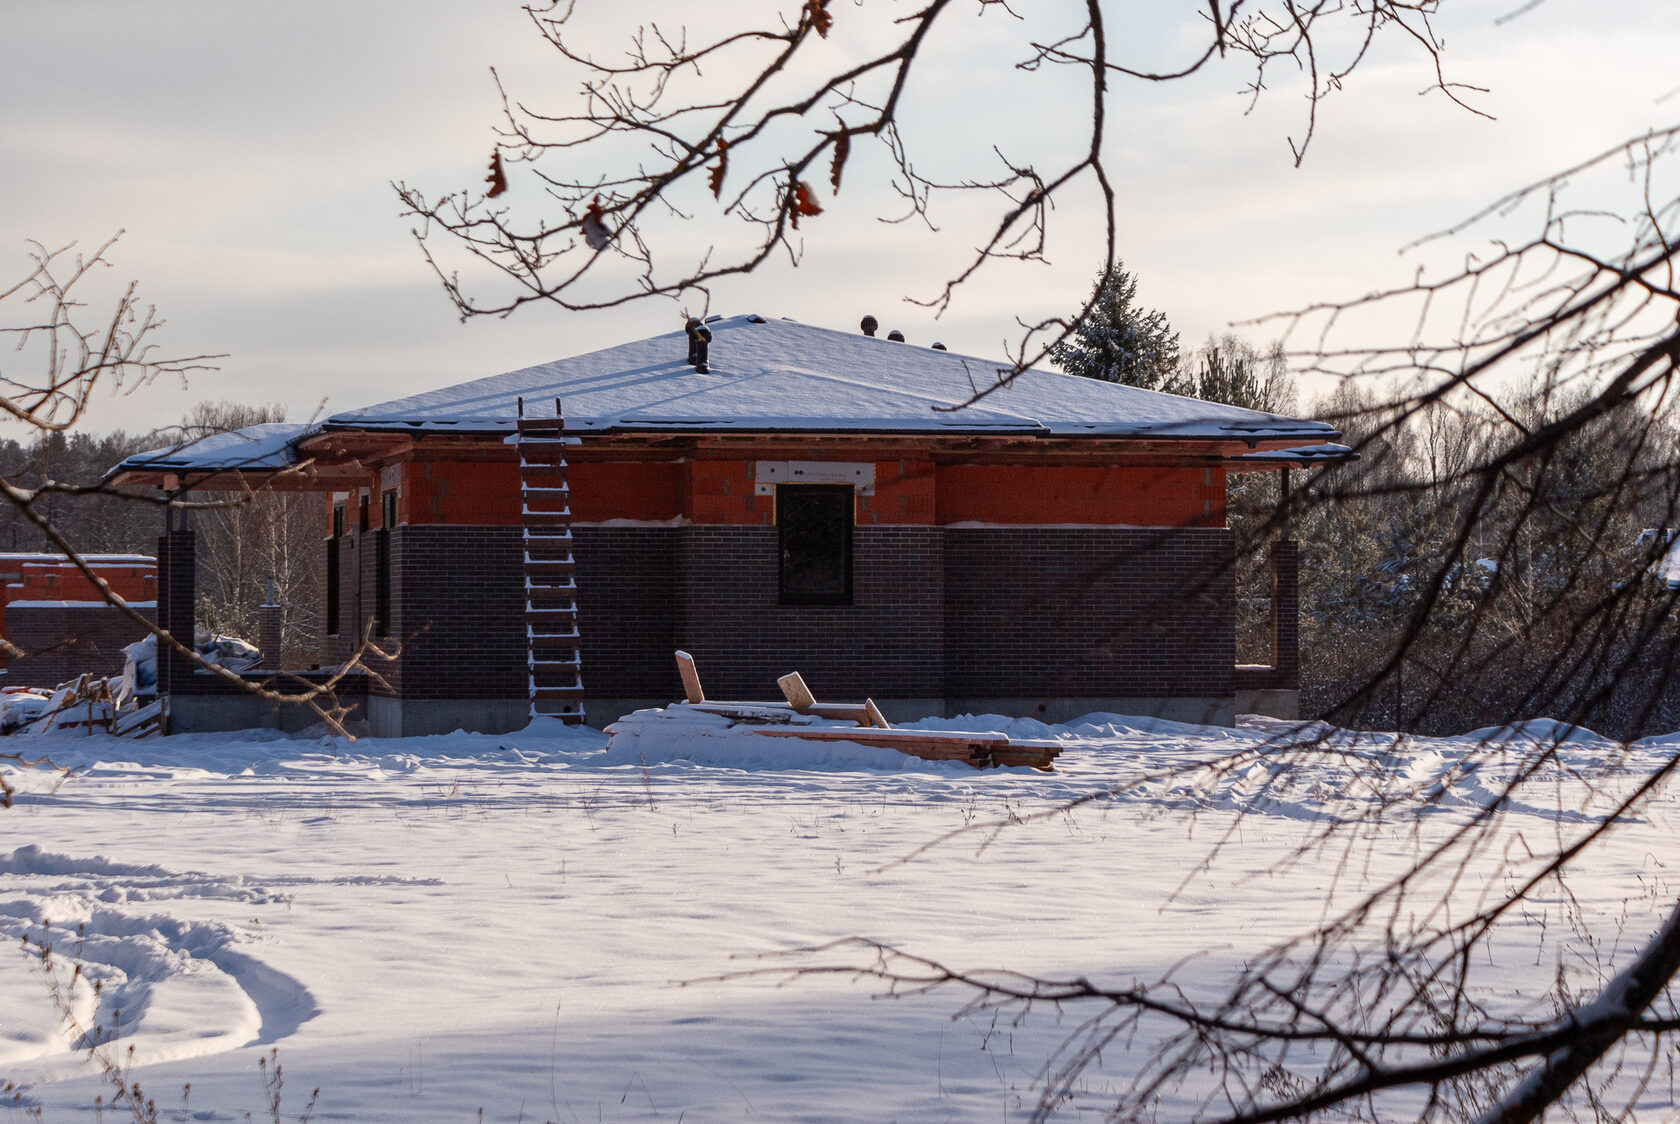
x=890, y=642
x=937, y=612
x=62, y=643
x=177, y=602
x=1089, y=612
x=627, y=609
x=458, y=609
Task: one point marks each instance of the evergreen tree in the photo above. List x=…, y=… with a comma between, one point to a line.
x=1231, y=370
x=1118, y=341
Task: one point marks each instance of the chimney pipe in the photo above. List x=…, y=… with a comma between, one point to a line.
x=699, y=344
x=869, y=325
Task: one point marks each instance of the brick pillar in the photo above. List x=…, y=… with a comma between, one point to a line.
x=1286, y=614
x=270, y=617
x=177, y=596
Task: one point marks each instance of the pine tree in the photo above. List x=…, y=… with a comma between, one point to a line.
x=1118, y=341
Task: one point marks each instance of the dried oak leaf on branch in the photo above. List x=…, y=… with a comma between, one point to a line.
x=497, y=179
x=820, y=18
x=842, y=149
x=804, y=203
x=714, y=177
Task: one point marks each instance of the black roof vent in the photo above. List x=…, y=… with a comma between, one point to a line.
x=937, y=346
x=699, y=344
x=870, y=325
x=896, y=336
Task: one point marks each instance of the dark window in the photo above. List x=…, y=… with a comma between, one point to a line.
x=814, y=534
x=332, y=568
x=362, y=518
x=382, y=564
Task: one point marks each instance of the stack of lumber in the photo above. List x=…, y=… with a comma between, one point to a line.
x=863, y=724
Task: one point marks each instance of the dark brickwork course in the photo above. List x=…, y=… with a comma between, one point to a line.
x=1089, y=612
x=627, y=609
x=937, y=612
x=458, y=611
x=889, y=642
x=177, y=601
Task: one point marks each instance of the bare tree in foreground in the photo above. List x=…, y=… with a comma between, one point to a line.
x=747, y=130
x=60, y=359
x=1537, y=387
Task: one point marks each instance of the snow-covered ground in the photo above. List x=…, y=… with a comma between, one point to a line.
x=532, y=927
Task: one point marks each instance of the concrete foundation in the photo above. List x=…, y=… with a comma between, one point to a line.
x=201, y=714
x=1271, y=703
x=1203, y=711
x=407, y=718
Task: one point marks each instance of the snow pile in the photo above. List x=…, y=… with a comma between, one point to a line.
x=678, y=734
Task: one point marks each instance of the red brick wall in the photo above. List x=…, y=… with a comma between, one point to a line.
x=725, y=492
x=907, y=492
x=472, y=493
x=1041, y=494
x=626, y=491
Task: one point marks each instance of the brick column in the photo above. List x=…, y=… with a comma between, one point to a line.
x=177, y=595
x=270, y=617
x=1286, y=614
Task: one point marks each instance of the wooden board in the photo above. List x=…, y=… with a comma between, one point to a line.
x=978, y=749
x=795, y=691
x=690, y=678
x=842, y=712
x=876, y=719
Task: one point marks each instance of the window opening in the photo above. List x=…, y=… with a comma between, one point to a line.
x=814, y=536
x=332, y=568
x=382, y=564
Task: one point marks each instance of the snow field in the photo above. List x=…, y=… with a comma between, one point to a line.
x=525, y=924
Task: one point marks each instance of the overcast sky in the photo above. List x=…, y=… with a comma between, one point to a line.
x=247, y=151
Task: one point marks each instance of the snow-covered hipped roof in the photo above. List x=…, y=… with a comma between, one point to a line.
x=266, y=446
x=778, y=375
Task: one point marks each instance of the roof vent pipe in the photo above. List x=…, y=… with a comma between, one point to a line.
x=699, y=344
x=896, y=336
x=937, y=346
x=870, y=325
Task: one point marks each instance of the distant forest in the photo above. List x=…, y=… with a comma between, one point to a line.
x=243, y=548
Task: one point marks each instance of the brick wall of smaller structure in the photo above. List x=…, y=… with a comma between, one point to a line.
x=1089, y=612
x=61, y=643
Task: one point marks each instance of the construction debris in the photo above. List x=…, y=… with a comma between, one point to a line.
x=86, y=704
x=802, y=716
